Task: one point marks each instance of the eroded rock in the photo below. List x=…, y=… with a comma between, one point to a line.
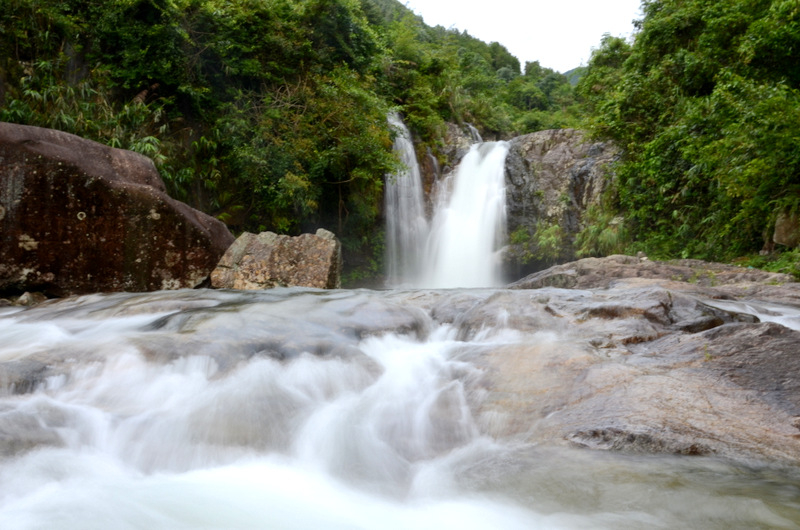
x=600, y=273
x=647, y=364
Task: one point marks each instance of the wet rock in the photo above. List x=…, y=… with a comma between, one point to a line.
x=457, y=142
x=80, y=217
x=600, y=273
x=270, y=260
x=644, y=364
x=21, y=431
x=25, y=375
x=31, y=299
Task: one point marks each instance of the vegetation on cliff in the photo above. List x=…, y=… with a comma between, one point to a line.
x=705, y=102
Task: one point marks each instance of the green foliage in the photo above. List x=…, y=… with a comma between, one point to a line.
x=705, y=103
x=787, y=262
x=603, y=234
x=520, y=239
x=269, y=114
x=549, y=241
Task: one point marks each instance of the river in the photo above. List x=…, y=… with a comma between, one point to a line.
x=297, y=408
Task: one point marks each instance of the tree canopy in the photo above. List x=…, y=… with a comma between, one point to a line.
x=705, y=103
x=269, y=114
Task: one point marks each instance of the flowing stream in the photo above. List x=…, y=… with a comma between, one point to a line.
x=460, y=246
x=306, y=409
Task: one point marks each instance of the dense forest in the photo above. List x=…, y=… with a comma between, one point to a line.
x=271, y=114
x=705, y=103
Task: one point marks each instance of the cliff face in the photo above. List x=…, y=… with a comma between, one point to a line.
x=553, y=177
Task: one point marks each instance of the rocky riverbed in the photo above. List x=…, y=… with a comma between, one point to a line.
x=686, y=357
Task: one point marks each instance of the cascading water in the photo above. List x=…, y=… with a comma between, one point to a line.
x=460, y=247
x=302, y=409
x=468, y=226
x=474, y=134
x=406, y=224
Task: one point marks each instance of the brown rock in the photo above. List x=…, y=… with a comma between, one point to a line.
x=78, y=217
x=270, y=260
x=31, y=299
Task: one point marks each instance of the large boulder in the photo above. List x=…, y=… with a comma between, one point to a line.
x=266, y=260
x=553, y=177
x=77, y=216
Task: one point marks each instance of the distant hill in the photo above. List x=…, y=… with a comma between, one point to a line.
x=574, y=75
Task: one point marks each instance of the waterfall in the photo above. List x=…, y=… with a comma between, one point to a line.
x=474, y=134
x=468, y=227
x=406, y=225
x=460, y=248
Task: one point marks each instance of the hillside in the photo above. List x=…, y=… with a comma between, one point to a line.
x=269, y=114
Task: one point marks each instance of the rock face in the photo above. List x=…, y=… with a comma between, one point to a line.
x=270, y=260
x=457, y=142
x=637, y=362
x=552, y=178
x=78, y=217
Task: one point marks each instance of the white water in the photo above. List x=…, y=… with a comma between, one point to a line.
x=406, y=224
x=468, y=227
x=764, y=311
x=460, y=246
x=171, y=411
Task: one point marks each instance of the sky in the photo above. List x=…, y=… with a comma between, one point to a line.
x=560, y=34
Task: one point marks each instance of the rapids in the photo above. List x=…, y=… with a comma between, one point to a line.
x=296, y=408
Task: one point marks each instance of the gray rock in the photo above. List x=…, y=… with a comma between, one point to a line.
x=638, y=369
x=600, y=273
x=552, y=178
x=270, y=260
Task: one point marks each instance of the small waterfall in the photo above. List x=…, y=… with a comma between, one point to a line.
x=460, y=247
x=406, y=224
x=469, y=222
x=474, y=134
